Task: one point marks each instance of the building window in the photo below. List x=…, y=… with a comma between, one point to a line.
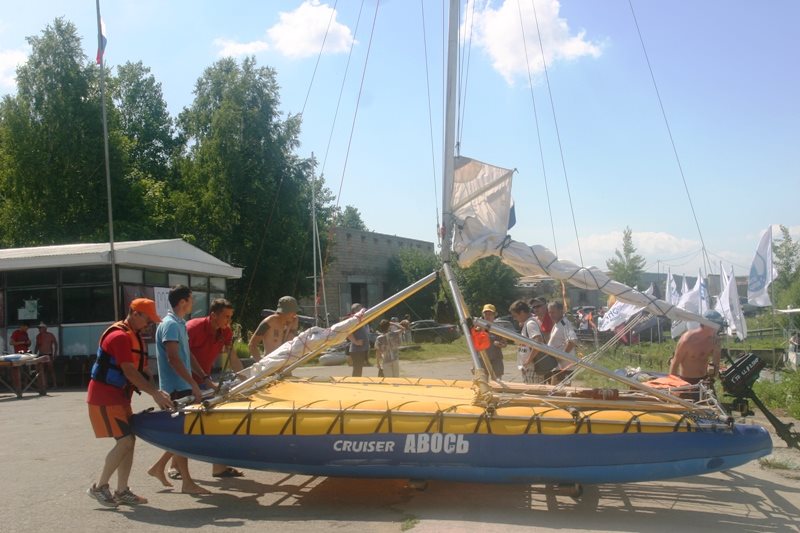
x=32, y=305
x=200, y=305
x=76, y=276
x=217, y=284
x=363, y=238
x=87, y=304
x=178, y=279
x=199, y=283
x=158, y=279
x=131, y=275
x=31, y=278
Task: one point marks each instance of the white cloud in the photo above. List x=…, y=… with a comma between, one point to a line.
x=9, y=61
x=659, y=249
x=300, y=32
x=499, y=34
x=228, y=48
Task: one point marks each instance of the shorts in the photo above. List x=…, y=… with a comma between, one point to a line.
x=111, y=420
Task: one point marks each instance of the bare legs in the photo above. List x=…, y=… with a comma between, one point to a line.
x=119, y=459
x=188, y=486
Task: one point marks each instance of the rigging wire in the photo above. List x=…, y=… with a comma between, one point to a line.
x=671, y=139
x=341, y=91
x=430, y=113
x=335, y=115
x=558, y=135
x=319, y=56
x=463, y=83
x=358, y=101
x=538, y=132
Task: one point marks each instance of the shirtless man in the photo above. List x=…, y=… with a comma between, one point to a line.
x=275, y=329
x=694, y=350
x=46, y=343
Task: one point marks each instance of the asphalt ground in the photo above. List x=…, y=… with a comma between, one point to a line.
x=50, y=456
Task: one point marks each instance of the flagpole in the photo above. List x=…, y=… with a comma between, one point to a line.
x=112, y=255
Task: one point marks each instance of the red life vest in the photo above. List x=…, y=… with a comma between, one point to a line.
x=107, y=370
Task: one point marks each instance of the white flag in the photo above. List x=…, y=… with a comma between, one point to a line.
x=619, y=313
x=729, y=307
x=762, y=272
x=672, y=295
x=703, y=292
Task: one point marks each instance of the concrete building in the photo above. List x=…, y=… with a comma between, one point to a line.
x=358, y=269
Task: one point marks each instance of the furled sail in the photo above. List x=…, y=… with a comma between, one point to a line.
x=481, y=212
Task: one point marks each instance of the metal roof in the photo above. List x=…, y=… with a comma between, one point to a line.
x=164, y=254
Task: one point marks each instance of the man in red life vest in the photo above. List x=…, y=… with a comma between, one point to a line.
x=121, y=368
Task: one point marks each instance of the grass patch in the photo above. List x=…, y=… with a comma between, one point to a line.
x=410, y=522
x=428, y=351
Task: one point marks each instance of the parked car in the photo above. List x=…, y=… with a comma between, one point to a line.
x=507, y=322
x=432, y=331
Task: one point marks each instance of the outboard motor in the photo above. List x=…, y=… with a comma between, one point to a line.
x=737, y=382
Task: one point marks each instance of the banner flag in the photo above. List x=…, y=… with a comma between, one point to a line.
x=762, y=272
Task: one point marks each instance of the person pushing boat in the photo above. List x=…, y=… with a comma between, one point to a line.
x=275, y=329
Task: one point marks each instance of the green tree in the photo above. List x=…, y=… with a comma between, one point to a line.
x=787, y=260
x=52, y=176
x=488, y=280
x=407, y=267
x=243, y=195
x=627, y=267
x=147, y=133
x=351, y=218
x=786, y=288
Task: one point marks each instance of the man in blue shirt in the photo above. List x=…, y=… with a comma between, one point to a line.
x=175, y=364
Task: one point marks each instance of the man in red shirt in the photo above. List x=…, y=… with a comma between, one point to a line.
x=20, y=340
x=119, y=370
x=208, y=338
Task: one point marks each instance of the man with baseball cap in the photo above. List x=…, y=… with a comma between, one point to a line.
x=275, y=329
x=495, y=350
x=121, y=369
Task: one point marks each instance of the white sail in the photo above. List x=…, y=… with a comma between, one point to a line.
x=481, y=223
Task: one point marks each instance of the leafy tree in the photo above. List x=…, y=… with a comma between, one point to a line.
x=407, y=267
x=488, y=280
x=627, y=267
x=147, y=133
x=787, y=260
x=351, y=218
x=52, y=174
x=243, y=195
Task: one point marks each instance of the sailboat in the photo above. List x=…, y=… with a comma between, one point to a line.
x=481, y=430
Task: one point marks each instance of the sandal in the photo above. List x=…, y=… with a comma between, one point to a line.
x=229, y=472
x=173, y=473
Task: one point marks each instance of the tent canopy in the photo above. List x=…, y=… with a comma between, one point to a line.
x=164, y=254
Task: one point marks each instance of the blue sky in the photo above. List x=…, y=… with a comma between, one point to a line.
x=727, y=72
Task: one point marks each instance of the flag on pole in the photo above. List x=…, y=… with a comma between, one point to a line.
x=619, y=313
x=703, y=292
x=101, y=41
x=671, y=295
x=762, y=272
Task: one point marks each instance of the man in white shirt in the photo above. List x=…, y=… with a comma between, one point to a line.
x=535, y=366
x=562, y=336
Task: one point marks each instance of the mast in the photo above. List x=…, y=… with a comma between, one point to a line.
x=112, y=255
x=450, y=131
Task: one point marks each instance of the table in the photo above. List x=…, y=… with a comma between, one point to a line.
x=24, y=374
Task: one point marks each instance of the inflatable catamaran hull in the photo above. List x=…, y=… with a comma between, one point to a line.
x=485, y=458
